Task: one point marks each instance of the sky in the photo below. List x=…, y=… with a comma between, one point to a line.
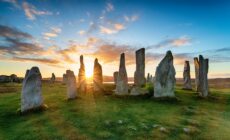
x=52, y=34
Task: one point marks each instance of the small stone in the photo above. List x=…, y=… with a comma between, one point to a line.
x=162, y=129
x=120, y=122
x=155, y=125
x=186, y=130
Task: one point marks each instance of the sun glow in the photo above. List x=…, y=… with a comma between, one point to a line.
x=89, y=62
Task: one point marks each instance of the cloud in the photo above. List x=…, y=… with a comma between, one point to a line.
x=54, y=31
x=81, y=32
x=131, y=18
x=109, y=7
x=9, y=32
x=13, y=2
x=176, y=42
x=115, y=28
x=40, y=60
x=15, y=43
x=31, y=12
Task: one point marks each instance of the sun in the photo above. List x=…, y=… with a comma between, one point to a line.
x=89, y=63
x=88, y=72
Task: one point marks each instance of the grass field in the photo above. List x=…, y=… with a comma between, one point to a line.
x=110, y=117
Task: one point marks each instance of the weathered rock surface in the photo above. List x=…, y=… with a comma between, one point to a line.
x=81, y=76
x=139, y=75
x=202, y=85
x=115, y=76
x=122, y=79
x=71, y=84
x=165, y=77
x=97, y=76
x=31, y=96
x=187, y=77
x=53, y=77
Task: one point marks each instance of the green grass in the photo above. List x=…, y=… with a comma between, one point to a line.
x=110, y=117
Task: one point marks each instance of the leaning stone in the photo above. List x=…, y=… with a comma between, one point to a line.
x=31, y=96
x=71, y=85
x=186, y=76
x=165, y=77
x=122, y=80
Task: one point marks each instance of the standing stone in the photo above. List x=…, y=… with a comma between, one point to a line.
x=165, y=77
x=97, y=76
x=196, y=64
x=64, y=79
x=148, y=79
x=52, y=79
x=31, y=96
x=122, y=79
x=139, y=75
x=71, y=84
x=186, y=76
x=81, y=76
x=202, y=85
x=115, y=76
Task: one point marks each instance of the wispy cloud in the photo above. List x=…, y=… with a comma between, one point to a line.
x=13, y=2
x=54, y=31
x=175, y=42
x=113, y=29
x=81, y=32
x=31, y=12
x=109, y=7
x=9, y=32
x=131, y=18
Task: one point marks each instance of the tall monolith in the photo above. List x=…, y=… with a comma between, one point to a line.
x=202, y=85
x=97, y=76
x=187, y=77
x=196, y=64
x=81, y=76
x=122, y=79
x=139, y=75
